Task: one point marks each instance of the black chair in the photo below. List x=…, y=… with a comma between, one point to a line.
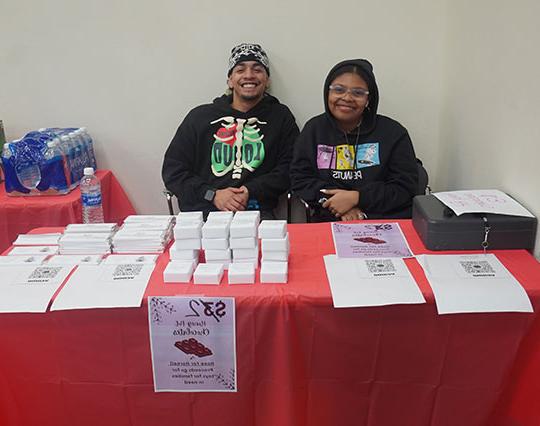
x=423, y=188
x=169, y=197
x=423, y=179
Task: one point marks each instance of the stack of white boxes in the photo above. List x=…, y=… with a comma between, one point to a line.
x=245, y=247
x=215, y=238
x=275, y=251
x=184, y=253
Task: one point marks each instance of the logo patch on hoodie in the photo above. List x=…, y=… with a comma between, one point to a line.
x=237, y=146
x=345, y=157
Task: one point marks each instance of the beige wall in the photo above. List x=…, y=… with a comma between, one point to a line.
x=490, y=137
x=130, y=70
x=460, y=75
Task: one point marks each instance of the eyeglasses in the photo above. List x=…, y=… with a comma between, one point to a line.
x=356, y=92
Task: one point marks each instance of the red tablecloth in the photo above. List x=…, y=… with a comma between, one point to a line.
x=301, y=362
x=19, y=215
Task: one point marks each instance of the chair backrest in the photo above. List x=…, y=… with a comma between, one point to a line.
x=169, y=197
x=423, y=179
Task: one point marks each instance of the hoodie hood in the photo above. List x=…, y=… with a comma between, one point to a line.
x=224, y=103
x=366, y=70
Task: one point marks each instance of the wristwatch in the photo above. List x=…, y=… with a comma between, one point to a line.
x=209, y=195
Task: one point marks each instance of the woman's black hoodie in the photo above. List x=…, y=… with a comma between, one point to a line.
x=377, y=159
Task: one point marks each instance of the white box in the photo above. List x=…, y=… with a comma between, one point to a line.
x=245, y=242
x=189, y=244
x=221, y=254
x=220, y=216
x=187, y=229
x=246, y=253
x=208, y=273
x=224, y=263
x=274, y=272
x=183, y=254
x=281, y=256
x=189, y=216
x=254, y=262
x=275, y=244
x=216, y=229
x=273, y=229
x=178, y=271
x=241, y=273
x=248, y=214
x=243, y=228
x=215, y=243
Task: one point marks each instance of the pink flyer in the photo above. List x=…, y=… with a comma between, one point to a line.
x=193, y=343
x=370, y=240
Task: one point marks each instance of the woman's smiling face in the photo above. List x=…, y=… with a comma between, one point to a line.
x=346, y=108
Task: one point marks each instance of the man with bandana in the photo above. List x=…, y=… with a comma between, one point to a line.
x=234, y=153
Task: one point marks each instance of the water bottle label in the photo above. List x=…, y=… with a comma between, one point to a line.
x=91, y=200
x=28, y=173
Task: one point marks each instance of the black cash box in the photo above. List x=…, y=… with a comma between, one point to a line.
x=440, y=229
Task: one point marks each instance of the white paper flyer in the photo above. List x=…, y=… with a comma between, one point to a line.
x=193, y=343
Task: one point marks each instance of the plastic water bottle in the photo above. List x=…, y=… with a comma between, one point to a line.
x=67, y=147
x=54, y=168
x=90, y=147
x=27, y=167
x=92, y=209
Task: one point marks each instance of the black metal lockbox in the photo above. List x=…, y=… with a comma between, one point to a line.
x=440, y=229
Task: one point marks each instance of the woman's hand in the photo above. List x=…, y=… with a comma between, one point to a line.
x=353, y=214
x=340, y=201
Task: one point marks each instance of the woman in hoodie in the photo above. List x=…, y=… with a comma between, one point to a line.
x=350, y=162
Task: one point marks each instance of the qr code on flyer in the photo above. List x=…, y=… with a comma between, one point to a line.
x=477, y=268
x=43, y=274
x=126, y=271
x=380, y=267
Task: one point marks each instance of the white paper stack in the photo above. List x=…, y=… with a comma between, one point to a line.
x=33, y=250
x=149, y=218
x=22, y=260
x=243, y=237
x=144, y=236
x=91, y=243
x=37, y=239
x=75, y=259
x=118, y=259
x=215, y=238
x=91, y=228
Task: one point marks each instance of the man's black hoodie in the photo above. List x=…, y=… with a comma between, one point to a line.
x=376, y=159
x=217, y=146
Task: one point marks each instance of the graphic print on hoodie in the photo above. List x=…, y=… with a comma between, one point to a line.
x=347, y=157
x=237, y=145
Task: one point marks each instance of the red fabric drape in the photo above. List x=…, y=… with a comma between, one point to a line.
x=19, y=215
x=300, y=361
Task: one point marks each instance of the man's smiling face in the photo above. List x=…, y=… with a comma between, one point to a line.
x=248, y=81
